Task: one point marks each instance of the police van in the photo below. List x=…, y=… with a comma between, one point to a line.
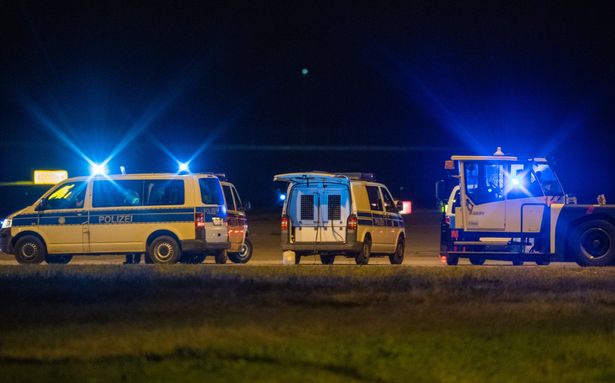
x=241, y=246
x=340, y=214
x=169, y=217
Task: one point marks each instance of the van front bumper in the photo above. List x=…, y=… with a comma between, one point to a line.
x=200, y=246
x=5, y=241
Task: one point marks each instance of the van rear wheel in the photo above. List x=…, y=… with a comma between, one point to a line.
x=164, y=250
x=30, y=250
x=398, y=256
x=327, y=259
x=363, y=257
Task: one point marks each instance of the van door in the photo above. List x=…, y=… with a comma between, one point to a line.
x=64, y=221
x=378, y=218
x=318, y=207
x=483, y=196
x=393, y=219
x=235, y=226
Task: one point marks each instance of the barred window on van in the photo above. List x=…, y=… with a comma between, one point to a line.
x=307, y=207
x=164, y=192
x=211, y=191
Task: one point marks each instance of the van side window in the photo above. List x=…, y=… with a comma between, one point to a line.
x=110, y=193
x=68, y=196
x=389, y=203
x=164, y=192
x=228, y=196
x=237, y=199
x=211, y=191
x=375, y=203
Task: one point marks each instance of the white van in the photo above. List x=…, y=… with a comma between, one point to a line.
x=341, y=214
x=169, y=217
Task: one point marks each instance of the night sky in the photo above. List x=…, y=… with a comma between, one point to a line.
x=392, y=88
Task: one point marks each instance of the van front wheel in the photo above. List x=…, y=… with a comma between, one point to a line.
x=363, y=257
x=30, y=250
x=244, y=254
x=164, y=250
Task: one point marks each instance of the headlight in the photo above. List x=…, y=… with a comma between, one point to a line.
x=6, y=223
x=217, y=221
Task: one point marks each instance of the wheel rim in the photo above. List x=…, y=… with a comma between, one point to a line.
x=29, y=250
x=595, y=243
x=244, y=251
x=164, y=251
x=366, y=250
x=400, y=250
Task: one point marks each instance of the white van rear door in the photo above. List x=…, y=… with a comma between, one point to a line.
x=318, y=206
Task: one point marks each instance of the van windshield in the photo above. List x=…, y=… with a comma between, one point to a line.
x=211, y=191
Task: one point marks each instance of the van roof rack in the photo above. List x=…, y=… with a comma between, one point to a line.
x=221, y=176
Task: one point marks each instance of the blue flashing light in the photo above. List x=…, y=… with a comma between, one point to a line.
x=282, y=197
x=98, y=169
x=184, y=167
x=515, y=181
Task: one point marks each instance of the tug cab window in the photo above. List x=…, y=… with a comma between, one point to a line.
x=484, y=182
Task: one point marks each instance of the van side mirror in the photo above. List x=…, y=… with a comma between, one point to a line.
x=247, y=206
x=399, y=205
x=42, y=205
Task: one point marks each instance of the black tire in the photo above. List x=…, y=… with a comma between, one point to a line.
x=164, y=250
x=517, y=262
x=477, y=261
x=452, y=260
x=297, y=258
x=543, y=263
x=398, y=256
x=244, y=254
x=220, y=257
x=60, y=259
x=593, y=243
x=362, y=258
x=30, y=250
x=327, y=259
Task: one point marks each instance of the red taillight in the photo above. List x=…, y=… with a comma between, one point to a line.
x=353, y=222
x=199, y=225
x=199, y=220
x=284, y=223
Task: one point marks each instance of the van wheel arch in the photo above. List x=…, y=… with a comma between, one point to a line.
x=157, y=234
x=24, y=233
